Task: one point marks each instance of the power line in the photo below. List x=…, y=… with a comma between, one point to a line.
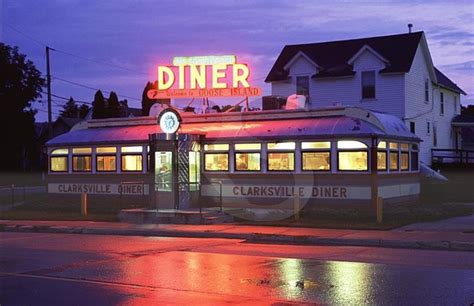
x=93, y=88
x=26, y=35
x=99, y=62
x=72, y=54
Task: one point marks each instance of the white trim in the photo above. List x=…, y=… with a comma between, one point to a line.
x=368, y=48
x=297, y=55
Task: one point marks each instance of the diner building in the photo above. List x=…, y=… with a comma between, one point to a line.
x=345, y=156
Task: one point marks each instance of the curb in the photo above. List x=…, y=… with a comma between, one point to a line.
x=252, y=237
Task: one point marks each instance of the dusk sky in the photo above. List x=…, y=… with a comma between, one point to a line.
x=127, y=39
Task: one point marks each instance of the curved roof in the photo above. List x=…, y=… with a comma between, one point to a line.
x=318, y=127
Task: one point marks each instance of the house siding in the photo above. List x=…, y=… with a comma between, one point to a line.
x=421, y=112
x=347, y=90
x=399, y=94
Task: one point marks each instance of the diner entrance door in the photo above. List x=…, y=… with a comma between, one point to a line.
x=174, y=161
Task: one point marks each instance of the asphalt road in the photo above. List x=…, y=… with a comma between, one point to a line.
x=68, y=269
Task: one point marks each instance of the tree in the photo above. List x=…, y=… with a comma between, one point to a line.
x=98, y=106
x=70, y=109
x=83, y=110
x=147, y=102
x=20, y=86
x=113, y=107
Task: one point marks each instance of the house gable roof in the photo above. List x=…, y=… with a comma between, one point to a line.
x=333, y=57
x=445, y=82
x=298, y=55
x=362, y=50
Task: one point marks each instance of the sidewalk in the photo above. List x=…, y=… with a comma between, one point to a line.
x=434, y=240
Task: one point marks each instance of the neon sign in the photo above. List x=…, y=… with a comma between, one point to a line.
x=204, y=76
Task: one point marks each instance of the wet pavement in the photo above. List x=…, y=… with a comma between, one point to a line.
x=51, y=269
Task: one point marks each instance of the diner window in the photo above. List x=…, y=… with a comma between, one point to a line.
x=316, y=145
x=441, y=103
x=352, y=155
x=248, y=146
x=281, y=146
x=404, y=161
x=106, y=163
x=382, y=156
x=106, y=150
x=368, y=84
x=381, y=160
x=216, y=147
x=316, y=155
x=132, y=162
x=352, y=161
x=316, y=161
x=247, y=156
x=302, y=86
x=132, y=149
x=247, y=161
x=105, y=160
x=61, y=151
x=194, y=170
x=393, y=160
x=216, y=161
x=284, y=161
x=81, y=163
x=82, y=151
x=58, y=164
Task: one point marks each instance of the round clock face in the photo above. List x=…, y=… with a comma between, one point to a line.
x=169, y=122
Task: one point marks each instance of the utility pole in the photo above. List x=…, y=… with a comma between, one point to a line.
x=48, y=81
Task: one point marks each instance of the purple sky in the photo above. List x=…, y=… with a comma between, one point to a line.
x=137, y=35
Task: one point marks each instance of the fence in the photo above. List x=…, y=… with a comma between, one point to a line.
x=452, y=156
x=13, y=195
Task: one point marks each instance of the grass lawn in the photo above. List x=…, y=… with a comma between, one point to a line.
x=41, y=207
x=438, y=201
x=21, y=178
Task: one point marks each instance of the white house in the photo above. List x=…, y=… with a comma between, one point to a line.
x=393, y=74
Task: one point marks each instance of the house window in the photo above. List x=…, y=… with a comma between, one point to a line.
x=455, y=105
x=352, y=156
x=412, y=127
x=427, y=91
x=368, y=84
x=441, y=103
x=435, y=136
x=428, y=127
x=414, y=160
x=302, y=86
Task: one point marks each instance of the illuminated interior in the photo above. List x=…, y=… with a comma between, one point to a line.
x=316, y=161
x=216, y=161
x=58, y=164
x=281, y=161
x=247, y=161
x=132, y=162
x=353, y=161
